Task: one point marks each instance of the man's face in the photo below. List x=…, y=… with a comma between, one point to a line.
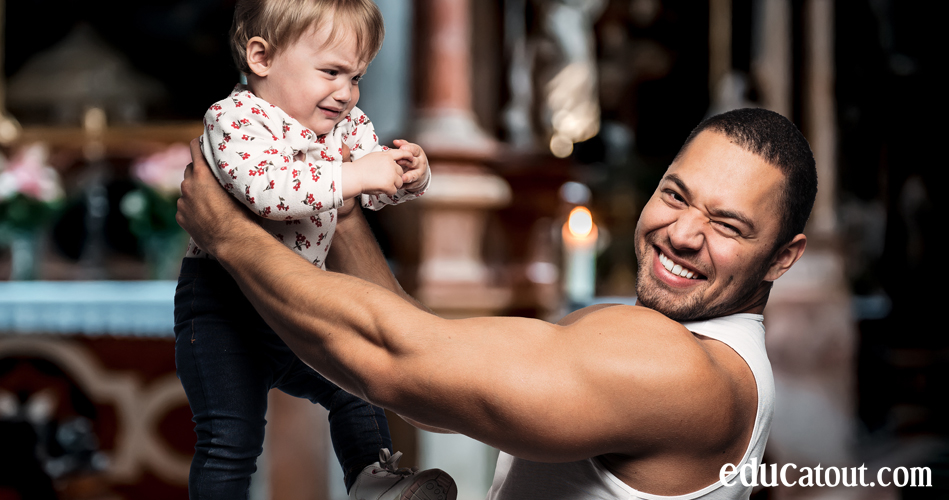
x=705, y=239
x=315, y=82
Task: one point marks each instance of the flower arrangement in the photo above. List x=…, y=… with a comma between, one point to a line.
x=151, y=208
x=30, y=191
x=31, y=195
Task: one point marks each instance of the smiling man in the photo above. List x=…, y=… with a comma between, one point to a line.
x=612, y=401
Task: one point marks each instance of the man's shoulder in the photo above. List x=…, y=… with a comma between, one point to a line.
x=623, y=317
x=678, y=372
x=635, y=343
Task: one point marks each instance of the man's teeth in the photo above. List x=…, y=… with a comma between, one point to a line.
x=675, y=268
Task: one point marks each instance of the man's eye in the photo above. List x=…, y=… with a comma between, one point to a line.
x=675, y=197
x=727, y=228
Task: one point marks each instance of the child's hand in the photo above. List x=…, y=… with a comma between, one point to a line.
x=416, y=168
x=375, y=173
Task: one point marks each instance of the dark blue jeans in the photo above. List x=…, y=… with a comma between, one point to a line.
x=228, y=359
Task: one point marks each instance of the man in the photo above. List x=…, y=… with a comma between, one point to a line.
x=611, y=402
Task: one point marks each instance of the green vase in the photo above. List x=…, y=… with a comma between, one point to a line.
x=163, y=252
x=26, y=255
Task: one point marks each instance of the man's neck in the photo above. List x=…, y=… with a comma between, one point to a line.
x=757, y=301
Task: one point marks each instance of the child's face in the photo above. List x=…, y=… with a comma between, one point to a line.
x=315, y=83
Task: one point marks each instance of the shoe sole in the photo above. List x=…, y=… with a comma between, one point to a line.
x=433, y=484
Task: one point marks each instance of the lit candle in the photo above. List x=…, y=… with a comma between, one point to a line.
x=579, y=245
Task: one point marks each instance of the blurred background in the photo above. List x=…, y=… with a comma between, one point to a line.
x=548, y=124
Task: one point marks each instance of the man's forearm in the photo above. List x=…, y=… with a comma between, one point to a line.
x=318, y=314
x=355, y=252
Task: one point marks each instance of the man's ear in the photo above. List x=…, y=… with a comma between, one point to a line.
x=259, y=56
x=786, y=257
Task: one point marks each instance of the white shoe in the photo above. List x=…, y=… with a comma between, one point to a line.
x=384, y=480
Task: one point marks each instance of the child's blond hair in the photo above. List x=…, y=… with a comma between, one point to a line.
x=283, y=22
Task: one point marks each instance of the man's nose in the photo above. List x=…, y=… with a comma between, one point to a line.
x=688, y=230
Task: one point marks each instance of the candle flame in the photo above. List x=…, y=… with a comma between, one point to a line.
x=580, y=222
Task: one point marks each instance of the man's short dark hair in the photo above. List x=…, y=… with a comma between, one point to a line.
x=777, y=140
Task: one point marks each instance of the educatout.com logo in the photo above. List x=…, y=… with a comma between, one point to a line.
x=755, y=474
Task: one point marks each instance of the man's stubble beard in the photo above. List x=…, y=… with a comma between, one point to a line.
x=691, y=306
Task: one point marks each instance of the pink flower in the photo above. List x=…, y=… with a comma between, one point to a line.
x=29, y=175
x=164, y=170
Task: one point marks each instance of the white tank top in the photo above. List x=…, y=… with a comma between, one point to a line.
x=518, y=479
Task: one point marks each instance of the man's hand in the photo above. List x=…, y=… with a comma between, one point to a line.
x=375, y=173
x=205, y=210
x=416, y=169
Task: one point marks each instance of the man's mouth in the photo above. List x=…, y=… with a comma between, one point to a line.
x=677, y=269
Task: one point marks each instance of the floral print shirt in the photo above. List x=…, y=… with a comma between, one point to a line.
x=251, y=147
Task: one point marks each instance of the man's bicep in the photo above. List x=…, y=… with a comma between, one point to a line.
x=551, y=393
x=512, y=383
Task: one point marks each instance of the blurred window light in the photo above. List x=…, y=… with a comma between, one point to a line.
x=544, y=273
x=561, y=146
x=575, y=193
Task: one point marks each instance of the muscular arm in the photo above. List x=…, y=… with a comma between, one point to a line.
x=355, y=252
x=606, y=383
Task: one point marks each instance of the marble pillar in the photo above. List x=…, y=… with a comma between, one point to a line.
x=453, y=278
x=719, y=42
x=811, y=332
x=771, y=58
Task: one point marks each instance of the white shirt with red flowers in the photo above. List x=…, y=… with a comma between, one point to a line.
x=250, y=145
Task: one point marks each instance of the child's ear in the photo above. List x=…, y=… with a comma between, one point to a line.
x=259, y=56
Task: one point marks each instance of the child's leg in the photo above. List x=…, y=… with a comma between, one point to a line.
x=358, y=429
x=226, y=379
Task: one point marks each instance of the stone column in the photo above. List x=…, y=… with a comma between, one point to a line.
x=446, y=123
x=295, y=464
x=719, y=42
x=820, y=122
x=453, y=278
x=771, y=59
x=811, y=332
